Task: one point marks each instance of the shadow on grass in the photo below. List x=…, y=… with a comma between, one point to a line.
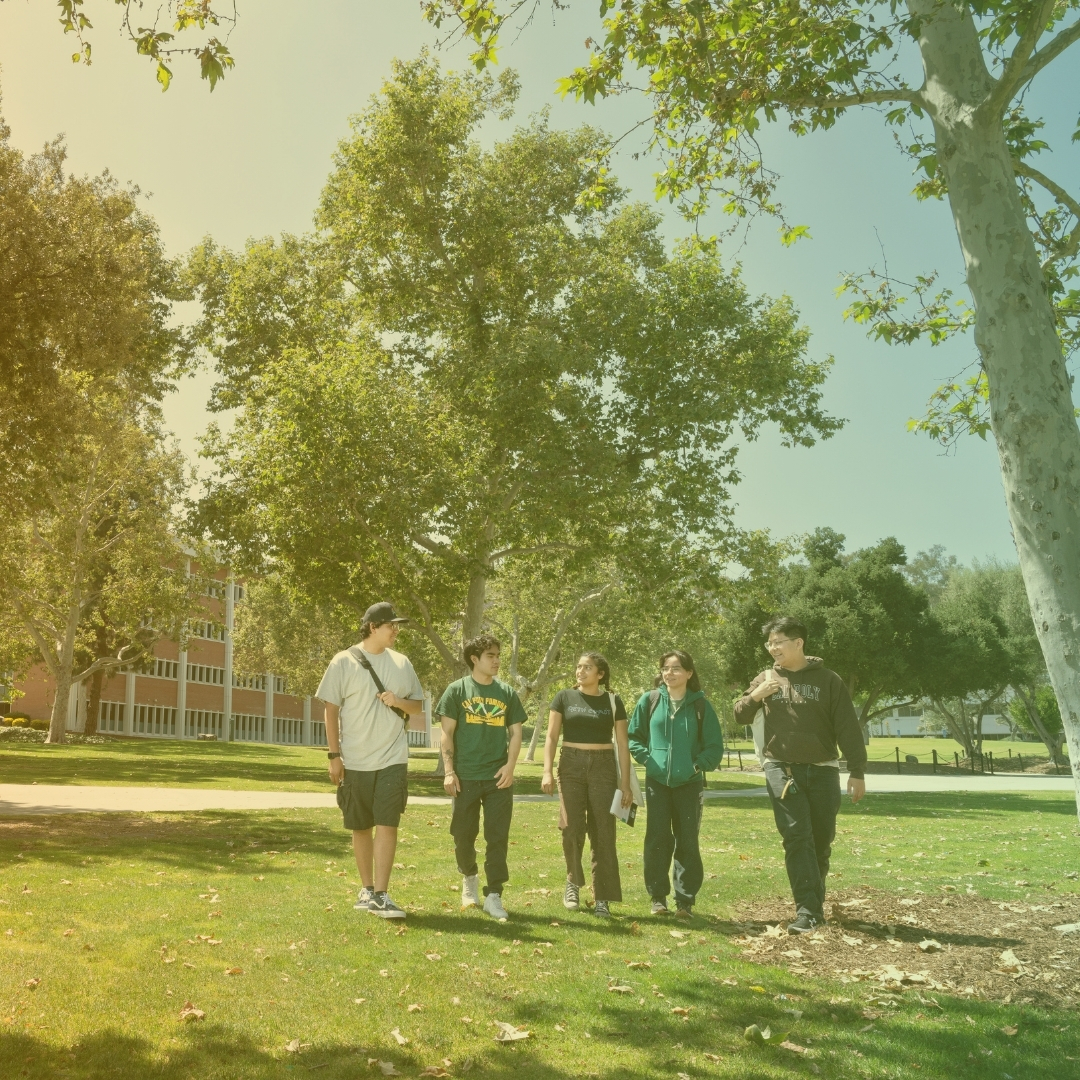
x=960, y=1039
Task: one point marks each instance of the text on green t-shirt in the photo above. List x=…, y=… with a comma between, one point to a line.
x=483, y=712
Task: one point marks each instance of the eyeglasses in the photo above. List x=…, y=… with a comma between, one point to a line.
x=778, y=641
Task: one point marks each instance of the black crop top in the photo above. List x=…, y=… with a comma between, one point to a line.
x=587, y=718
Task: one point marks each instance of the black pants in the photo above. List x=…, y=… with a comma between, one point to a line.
x=587, y=784
x=498, y=806
x=806, y=819
x=672, y=824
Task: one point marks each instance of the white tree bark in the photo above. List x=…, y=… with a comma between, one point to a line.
x=1031, y=406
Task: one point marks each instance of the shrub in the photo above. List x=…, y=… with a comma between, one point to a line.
x=40, y=725
x=20, y=721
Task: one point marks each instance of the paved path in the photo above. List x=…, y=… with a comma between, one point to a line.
x=71, y=799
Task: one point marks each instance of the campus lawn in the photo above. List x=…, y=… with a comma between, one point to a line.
x=141, y=894
x=236, y=766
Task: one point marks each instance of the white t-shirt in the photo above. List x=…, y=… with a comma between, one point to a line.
x=372, y=735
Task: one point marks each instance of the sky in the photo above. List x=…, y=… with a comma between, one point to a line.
x=250, y=159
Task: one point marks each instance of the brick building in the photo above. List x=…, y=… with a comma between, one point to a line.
x=184, y=693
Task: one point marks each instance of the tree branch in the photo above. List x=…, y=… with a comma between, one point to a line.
x=507, y=552
x=1047, y=54
x=1072, y=245
x=864, y=97
x=1013, y=74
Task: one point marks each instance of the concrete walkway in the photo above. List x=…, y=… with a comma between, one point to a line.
x=18, y=799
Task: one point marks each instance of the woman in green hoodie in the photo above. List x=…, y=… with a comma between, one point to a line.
x=675, y=733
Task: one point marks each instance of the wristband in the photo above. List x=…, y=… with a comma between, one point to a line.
x=333, y=756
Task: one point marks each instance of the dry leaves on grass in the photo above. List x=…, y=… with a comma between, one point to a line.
x=509, y=1033
x=416, y=1008
x=399, y=1038
x=190, y=1014
x=68, y=933
x=433, y=956
x=385, y=1067
x=234, y=971
x=33, y=984
x=434, y=1070
x=294, y=1046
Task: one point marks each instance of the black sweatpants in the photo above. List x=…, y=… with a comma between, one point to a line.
x=806, y=820
x=672, y=824
x=498, y=807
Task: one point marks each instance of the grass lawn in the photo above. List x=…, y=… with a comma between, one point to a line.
x=124, y=918
x=237, y=766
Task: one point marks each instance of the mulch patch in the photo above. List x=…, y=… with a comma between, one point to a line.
x=952, y=942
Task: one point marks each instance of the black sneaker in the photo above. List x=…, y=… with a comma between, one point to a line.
x=602, y=911
x=571, y=897
x=385, y=908
x=803, y=925
x=683, y=910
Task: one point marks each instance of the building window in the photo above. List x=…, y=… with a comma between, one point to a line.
x=279, y=684
x=158, y=669
x=249, y=682
x=154, y=720
x=211, y=631
x=198, y=722
x=246, y=727
x=203, y=673
x=110, y=716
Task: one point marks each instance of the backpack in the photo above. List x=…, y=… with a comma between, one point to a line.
x=699, y=709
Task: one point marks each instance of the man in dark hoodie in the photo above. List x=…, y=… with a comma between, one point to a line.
x=807, y=713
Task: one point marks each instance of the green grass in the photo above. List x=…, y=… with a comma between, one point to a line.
x=136, y=890
x=237, y=766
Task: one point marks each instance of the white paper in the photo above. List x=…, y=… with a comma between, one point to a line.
x=617, y=808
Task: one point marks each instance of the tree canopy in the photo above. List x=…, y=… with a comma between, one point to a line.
x=500, y=361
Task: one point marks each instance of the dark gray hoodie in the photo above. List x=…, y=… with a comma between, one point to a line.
x=808, y=717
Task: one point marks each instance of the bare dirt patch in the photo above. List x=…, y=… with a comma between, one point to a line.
x=952, y=942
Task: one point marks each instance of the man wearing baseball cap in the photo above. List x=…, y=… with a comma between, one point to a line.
x=368, y=693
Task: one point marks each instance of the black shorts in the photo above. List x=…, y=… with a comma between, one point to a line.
x=373, y=798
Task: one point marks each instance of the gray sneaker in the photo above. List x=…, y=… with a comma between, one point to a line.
x=363, y=899
x=602, y=911
x=572, y=897
x=470, y=891
x=384, y=907
x=659, y=907
x=493, y=906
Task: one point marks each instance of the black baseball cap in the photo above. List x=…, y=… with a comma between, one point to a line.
x=382, y=613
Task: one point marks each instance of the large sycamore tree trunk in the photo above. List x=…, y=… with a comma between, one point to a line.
x=1031, y=406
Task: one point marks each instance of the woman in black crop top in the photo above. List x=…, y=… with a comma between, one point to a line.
x=587, y=778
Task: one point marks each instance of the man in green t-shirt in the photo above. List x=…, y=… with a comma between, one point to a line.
x=477, y=712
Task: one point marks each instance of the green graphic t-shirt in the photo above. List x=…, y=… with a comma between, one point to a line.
x=483, y=712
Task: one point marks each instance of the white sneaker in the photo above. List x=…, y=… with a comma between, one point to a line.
x=470, y=891
x=493, y=906
x=363, y=899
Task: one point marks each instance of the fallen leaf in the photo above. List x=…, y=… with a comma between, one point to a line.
x=510, y=1033
x=774, y=931
x=293, y=1047
x=758, y=989
x=1009, y=962
x=384, y=973
x=433, y=956
x=234, y=971
x=930, y=945
x=33, y=984
x=679, y=1011
x=1009, y=1029
x=1068, y=928
x=387, y=1068
x=505, y=951
x=853, y=903
x=795, y=953
x=501, y=972
x=849, y=940
x=190, y=1013
x=466, y=1020
x=188, y=964
x=1021, y=884
x=638, y=964
x=676, y=933
x=712, y=1057
x=730, y=982
x=864, y=1030
x=359, y=1001
x=755, y=1034
x=795, y=1048
x=416, y=1008
x=401, y=1040
x=68, y=933
x=615, y=989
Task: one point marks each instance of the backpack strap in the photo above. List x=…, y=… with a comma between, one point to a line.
x=358, y=655
x=654, y=700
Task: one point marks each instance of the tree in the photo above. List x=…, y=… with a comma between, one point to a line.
x=1038, y=713
x=863, y=617
x=507, y=363
x=86, y=296
x=99, y=549
x=194, y=19
x=717, y=71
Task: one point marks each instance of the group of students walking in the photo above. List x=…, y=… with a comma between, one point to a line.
x=800, y=712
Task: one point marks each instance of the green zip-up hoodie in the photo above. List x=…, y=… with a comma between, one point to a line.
x=670, y=749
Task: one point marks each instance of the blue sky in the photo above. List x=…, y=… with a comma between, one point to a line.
x=251, y=158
